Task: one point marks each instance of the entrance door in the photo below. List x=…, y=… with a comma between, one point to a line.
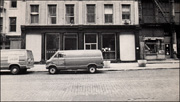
x=127, y=47
x=70, y=42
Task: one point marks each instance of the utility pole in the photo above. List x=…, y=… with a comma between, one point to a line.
x=173, y=32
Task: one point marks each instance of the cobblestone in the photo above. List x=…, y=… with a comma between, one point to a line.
x=141, y=85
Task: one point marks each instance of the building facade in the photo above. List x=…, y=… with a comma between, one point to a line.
x=11, y=19
x=127, y=29
x=159, y=33
x=81, y=24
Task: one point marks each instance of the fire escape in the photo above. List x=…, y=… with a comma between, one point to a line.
x=171, y=22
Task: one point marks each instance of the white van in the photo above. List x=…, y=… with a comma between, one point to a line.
x=75, y=60
x=16, y=60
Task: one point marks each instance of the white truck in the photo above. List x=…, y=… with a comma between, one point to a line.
x=75, y=60
x=16, y=60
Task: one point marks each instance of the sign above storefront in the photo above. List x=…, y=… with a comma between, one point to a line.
x=153, y=38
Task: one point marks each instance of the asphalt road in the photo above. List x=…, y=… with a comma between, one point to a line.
x=139, y=85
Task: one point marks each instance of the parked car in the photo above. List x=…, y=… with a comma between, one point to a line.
x=75, y=60
x=16, y=60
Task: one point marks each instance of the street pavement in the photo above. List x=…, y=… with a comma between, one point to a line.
x=138, y=85
x=158, y=81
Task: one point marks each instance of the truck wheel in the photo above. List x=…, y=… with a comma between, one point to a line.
x=15, y=70
x=52, y=70
x=92, y=69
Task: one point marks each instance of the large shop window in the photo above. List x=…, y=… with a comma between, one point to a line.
x=52, y=44
x=34, y=14
x=70, y=42
x=69, y=14
x=52, y=14
x=91, y=13
x=12, y=24
x=108, y=13
x=155, y=47
x=108, y=41
x=90, y=41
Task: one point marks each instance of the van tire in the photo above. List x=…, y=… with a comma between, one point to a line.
x=15, y=70
x=52, y=70
x=92, y=69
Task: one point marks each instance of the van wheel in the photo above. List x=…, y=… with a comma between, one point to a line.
x=52, y=70
x=15, y=70
x=92, y=69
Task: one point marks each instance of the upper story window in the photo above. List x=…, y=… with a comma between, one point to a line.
x=34, y=14
x=69, y=14
x=12, y=27
x=52, y=14
x=13, y=3
x=1, y=24
x=125, y=12
x=108, y=13
x=91, y=13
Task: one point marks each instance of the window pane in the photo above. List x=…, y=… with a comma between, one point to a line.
x=88, y=47
x=109, y=55
x=14, y=3
x=108, y=9
x=35, y=8
x=109, y=41
x=91, y=9
x=13, y=28
x=70, y=14
x=93, y=46
x=91, y=18
x=91, y=13
x=90, y=38
x=125, y=11
x=52, y=10
x=108, y=18
x=12, y=23
x=34, y=18
x=70, y=20
x=52, y=44
x=70, y=10
x=53, y=20
x=126, y=8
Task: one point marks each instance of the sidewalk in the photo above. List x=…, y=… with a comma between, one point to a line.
x=151, y=65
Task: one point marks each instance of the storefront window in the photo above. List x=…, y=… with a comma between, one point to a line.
x=108, y=41
x=52, y=44
x=90, y=41
x=70, y=42
x=154, y=46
